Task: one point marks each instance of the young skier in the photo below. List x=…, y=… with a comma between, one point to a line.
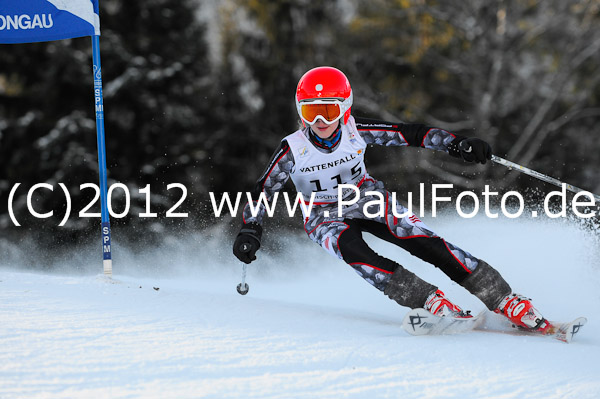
x=329, y=151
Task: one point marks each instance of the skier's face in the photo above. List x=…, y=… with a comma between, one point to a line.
x=323, y=130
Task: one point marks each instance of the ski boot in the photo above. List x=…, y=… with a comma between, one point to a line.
x=438, y=305
x=520, y=311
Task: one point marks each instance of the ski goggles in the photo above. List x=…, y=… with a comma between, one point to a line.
x=329, y=110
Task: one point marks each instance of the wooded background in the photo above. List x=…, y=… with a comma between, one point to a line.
x=201, y=93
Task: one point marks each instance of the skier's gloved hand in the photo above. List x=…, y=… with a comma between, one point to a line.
x=247, y=242
x=471, y=149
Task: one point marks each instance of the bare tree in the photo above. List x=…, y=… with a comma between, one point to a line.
x=522, y=74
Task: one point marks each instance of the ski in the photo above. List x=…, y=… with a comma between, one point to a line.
x=422, y=322
x=562, y=331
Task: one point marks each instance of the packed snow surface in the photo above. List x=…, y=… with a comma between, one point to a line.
x=171, y=325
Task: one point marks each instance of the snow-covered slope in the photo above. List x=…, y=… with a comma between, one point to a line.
x=309, y=327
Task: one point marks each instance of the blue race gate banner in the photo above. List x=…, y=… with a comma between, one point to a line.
x=26, y=21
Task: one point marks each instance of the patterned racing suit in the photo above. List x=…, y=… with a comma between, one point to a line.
x=339, y=216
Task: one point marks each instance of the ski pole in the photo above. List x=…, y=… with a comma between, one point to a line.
x=511, y=165
x=243, y=287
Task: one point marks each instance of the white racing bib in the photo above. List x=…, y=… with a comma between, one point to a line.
x=321, y=173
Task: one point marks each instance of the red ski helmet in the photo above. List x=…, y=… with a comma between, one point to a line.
x=323, y=93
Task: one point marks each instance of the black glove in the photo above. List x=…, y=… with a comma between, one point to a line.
x=247, y=242
x=471, y=149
